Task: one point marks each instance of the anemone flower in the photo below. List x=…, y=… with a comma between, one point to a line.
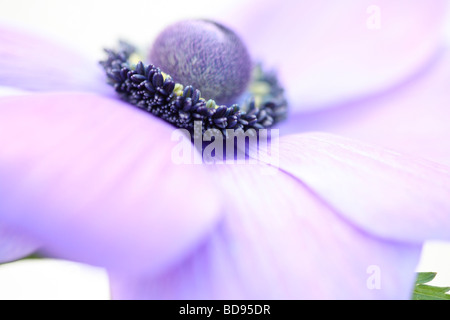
x=87, y=177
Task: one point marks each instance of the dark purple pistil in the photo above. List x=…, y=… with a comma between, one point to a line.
x=207, y=56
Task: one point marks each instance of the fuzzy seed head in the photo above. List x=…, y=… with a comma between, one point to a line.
x=206, y=55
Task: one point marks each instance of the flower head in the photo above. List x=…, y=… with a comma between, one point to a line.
x=91, y=179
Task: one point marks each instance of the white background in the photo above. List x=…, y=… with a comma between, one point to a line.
x=91, y=25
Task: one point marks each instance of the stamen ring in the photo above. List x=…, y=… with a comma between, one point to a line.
x=148, y=88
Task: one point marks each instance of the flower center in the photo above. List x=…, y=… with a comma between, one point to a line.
x=183, y=105
x=206, y=55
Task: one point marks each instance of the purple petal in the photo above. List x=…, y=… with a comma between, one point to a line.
x=390, y=195
x=93, y=179
x=331, y=52
x=414, y=118
x=31, y=62
x=280, y=241
x=14, y=245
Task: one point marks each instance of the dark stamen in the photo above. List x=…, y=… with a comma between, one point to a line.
x=145, y=87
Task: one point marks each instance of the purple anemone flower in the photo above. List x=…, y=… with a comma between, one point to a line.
x=87, y=177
